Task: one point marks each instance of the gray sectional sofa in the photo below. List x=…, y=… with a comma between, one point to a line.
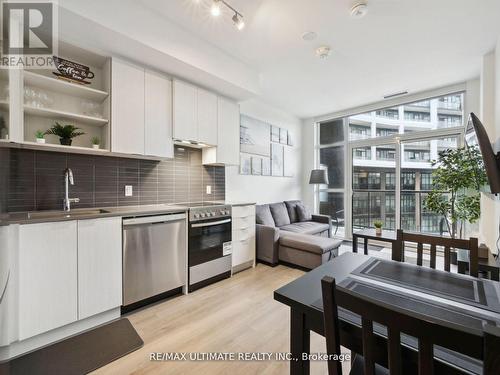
x=292, y=219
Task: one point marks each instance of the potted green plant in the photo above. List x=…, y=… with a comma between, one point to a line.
x=378, y=227
x=39, y=136
x=96, y=142
x=66, y=133
x=456, y=180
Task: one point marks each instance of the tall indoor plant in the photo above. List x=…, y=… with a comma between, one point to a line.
x=457, y=178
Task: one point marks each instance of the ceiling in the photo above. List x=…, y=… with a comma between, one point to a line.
x=399, y=45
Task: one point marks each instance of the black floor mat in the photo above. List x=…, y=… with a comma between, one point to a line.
x=79, y=354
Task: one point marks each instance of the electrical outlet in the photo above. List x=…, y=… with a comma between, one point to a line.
x=128, y=191
x=209, y=189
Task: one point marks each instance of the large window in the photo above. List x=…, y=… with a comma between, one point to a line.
x=332, y=159
x=391, y=151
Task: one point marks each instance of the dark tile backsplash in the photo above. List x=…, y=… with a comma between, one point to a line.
x=34, y=180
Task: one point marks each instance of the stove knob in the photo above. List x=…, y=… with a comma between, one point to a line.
x=203, y=214
x=226, y=212
x=196, y=216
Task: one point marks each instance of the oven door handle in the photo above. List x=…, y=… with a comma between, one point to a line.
x=201, y=225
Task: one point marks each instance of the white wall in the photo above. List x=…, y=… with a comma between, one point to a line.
x=266, y=189
x=490, y=116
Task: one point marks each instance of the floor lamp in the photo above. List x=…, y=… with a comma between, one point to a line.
x=318, y=177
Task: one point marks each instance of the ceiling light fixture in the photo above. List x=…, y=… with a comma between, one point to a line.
x=323, y=52
x=216, y=11
x=238, y=21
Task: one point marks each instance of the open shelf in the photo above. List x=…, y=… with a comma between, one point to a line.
x=53, y=113
x=64, y=87
x=27, y=145
x=56, y=147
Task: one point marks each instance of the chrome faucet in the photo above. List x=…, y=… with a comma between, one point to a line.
x=68, y=179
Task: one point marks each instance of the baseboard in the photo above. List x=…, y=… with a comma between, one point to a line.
x=242, y=266
x=18, y=348
x=267, y=263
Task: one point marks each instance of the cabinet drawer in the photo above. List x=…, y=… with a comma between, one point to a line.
x=243, y=211
x=243, y=234
x=243, y=251
x=243, y=222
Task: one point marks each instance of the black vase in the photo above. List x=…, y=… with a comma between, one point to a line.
x=65, y=141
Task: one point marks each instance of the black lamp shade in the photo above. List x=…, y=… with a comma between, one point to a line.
x=318, y=176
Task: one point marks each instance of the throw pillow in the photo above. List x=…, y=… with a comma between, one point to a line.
x=263, y=215
x=303, y=213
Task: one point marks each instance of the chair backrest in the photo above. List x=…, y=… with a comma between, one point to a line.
x=448, y=243
x=397, y=321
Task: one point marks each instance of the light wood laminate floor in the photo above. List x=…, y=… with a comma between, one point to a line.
x=235, y=315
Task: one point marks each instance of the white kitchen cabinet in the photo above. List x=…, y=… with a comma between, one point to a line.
x=99, y=265
x=185, y=115
x=207, y=117
x=127, y=108
x=228, y=130
x=158, y=115
x=47, y=277
x=243, y=236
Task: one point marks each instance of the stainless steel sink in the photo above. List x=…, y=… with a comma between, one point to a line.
x=63, y=214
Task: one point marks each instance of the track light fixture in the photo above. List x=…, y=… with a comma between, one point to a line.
x=238, y=21
x=215, y=8
x=216, y=11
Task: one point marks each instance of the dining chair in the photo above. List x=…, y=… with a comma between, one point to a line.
x=469, y=245
x=428, y=332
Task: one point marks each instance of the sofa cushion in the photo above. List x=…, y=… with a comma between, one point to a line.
x=306, y=227
x=263, y=215
x=292, y=211
x=303, y=213
x=311, y=244
x=280, y=214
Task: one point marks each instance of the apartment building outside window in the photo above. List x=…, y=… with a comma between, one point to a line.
x=374, y=167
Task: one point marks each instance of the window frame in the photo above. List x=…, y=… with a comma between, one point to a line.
x=396, y=140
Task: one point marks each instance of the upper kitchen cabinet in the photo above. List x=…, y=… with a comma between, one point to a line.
x=185, y=111
x=141, y=111
x=158, y=116
x=195, y=114
x=127, y=108
x=228, y=134
x=207, y=117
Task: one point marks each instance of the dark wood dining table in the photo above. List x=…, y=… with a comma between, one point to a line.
x=460, y=300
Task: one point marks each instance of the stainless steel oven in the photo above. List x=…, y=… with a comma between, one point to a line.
x=209, y=244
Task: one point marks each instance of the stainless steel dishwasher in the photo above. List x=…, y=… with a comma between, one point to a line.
x=154, y=256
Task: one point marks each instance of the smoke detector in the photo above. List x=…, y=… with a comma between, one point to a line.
x=309, y=36
x=359, y=9
x=323, y=52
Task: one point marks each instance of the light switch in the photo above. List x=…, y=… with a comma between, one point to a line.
x=128, y=191
x=209, y=189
